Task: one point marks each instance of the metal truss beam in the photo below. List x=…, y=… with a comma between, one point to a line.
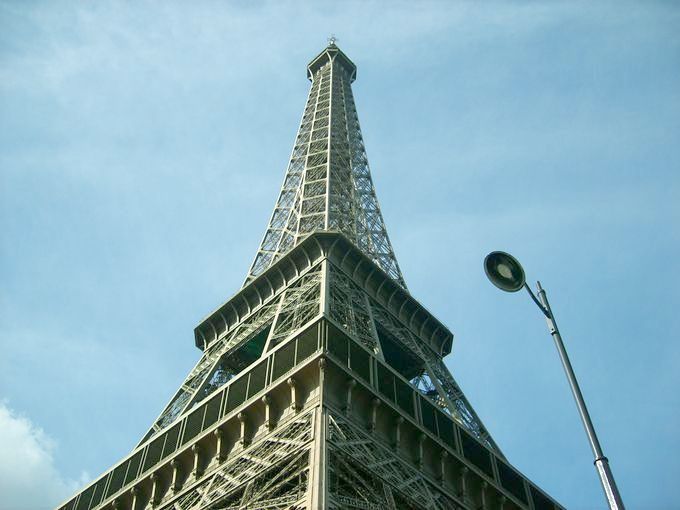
x=321, y=383
x=328, y=184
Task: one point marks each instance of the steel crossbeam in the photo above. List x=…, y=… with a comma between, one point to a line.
x=352, y=309
x=298, y=304
x=199, y=376
x=287, y=454
x=323, y=326
x=383, y=466
x=328, y=185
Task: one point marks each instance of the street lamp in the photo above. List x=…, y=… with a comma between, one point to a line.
x=506, y=273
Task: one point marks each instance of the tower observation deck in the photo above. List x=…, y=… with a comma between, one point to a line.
x=321, y=382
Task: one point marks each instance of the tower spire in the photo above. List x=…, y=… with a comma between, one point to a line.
x=328, y=185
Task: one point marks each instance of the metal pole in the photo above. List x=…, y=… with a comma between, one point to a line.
x=601, y=462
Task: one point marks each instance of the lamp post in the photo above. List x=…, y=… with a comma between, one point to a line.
x=506, y=273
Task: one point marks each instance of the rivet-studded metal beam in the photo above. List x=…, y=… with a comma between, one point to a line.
x=328, y=184
x=321, y=382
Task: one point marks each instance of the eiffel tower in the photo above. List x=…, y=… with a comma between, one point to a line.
x=321, y=383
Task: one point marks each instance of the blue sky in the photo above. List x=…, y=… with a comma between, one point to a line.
x=142, y=146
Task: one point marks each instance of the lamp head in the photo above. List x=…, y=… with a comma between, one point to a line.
x=504, y=271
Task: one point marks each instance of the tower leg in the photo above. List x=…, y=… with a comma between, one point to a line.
x=318, y=489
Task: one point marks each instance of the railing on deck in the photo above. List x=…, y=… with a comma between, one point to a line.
x=202, y=417
x=394, y=388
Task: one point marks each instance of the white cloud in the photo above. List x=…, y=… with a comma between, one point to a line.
x=28, y=478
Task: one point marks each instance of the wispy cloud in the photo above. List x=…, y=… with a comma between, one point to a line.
x=29, y=479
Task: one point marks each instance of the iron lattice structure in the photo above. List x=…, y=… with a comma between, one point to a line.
x=328, y=184
x=321, y=383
